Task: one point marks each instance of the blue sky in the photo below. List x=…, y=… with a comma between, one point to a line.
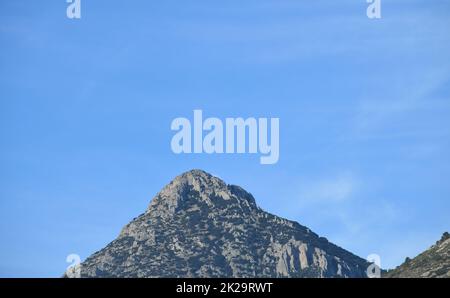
x=86, y=107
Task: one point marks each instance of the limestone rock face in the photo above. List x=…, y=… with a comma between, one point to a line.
x=432, y=263
x=198, y=226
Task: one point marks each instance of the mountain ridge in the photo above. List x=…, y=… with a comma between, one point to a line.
x=431, y=263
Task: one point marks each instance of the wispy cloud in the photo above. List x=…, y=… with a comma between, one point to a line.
x=349, y=211
x=394, y=114
x=319, y=195
x=333, y=189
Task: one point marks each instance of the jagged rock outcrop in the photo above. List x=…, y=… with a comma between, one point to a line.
x=198, y=226
x=434, y=262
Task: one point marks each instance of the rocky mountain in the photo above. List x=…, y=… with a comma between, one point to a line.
x=198, y=226
x=434, y=262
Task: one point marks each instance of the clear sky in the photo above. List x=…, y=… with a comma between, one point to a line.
x=86, y=107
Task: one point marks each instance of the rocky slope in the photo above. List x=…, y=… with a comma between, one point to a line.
x=198, y=226
x=434, y=262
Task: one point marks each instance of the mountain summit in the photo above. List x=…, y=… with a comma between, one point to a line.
x=198, y=226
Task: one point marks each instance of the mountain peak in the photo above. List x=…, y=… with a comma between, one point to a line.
x=194, y=174
x=197, y=186
x=199, y=226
